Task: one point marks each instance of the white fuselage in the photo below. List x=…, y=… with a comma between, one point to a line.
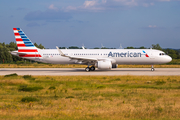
x=117, y=56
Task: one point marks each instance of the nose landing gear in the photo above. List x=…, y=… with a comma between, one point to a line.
x=152, y=68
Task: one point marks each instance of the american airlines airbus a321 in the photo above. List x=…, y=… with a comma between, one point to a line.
x=93, y=58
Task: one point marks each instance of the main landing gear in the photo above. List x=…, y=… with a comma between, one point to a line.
x=92, y=68
x=152, y=68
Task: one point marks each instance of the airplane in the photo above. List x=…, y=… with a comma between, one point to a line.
x=93, y=58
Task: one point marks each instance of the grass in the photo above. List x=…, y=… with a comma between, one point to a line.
x=29, y=89
x=29, y=99
x=90, y=97
x=52, y=87
x=28, y=77
x=11, y=75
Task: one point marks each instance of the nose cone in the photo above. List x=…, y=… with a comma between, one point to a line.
x=168, y=59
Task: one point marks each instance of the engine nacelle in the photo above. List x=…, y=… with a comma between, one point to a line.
x=104, y=65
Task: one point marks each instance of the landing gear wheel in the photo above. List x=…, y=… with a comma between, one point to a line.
x=87, y=69
x=152, y=69
x=92, y=68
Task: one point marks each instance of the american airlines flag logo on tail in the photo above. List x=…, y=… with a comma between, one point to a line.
x=24, y=44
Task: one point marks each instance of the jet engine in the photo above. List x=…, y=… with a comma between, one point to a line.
x=104, y=65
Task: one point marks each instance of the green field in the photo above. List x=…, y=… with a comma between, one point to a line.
x=90, y=97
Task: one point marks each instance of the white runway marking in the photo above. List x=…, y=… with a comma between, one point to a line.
x=81, y=71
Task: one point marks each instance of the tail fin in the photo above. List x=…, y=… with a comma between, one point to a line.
x=25, y=47
x=24, y=44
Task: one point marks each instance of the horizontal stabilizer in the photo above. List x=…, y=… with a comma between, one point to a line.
x=18, y=53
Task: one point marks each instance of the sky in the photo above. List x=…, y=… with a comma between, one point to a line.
x=93, y=23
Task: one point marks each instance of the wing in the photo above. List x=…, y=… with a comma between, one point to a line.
x=82, y=59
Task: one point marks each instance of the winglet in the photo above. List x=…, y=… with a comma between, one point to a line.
x=61, y=53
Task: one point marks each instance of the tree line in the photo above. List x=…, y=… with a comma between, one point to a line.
x=6, y=57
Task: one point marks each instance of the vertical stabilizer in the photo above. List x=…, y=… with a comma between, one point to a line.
x=24, y=44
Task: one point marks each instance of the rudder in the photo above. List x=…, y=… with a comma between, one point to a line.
x=25, y=47
x=24, y=44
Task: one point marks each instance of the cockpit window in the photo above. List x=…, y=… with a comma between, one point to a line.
x=162, y=54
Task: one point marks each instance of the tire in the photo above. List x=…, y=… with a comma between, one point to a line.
x=152, y=69
x=92, y=68
x=87, y=69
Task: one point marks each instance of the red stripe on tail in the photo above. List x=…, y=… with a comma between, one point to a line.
x=21, y=45
x=30, y=50
x=19, y=39
x=16, y=34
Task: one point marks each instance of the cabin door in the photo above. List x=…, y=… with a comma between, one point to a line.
x=152, y=55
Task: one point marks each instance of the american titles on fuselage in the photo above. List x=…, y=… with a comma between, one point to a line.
x=124, y=54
